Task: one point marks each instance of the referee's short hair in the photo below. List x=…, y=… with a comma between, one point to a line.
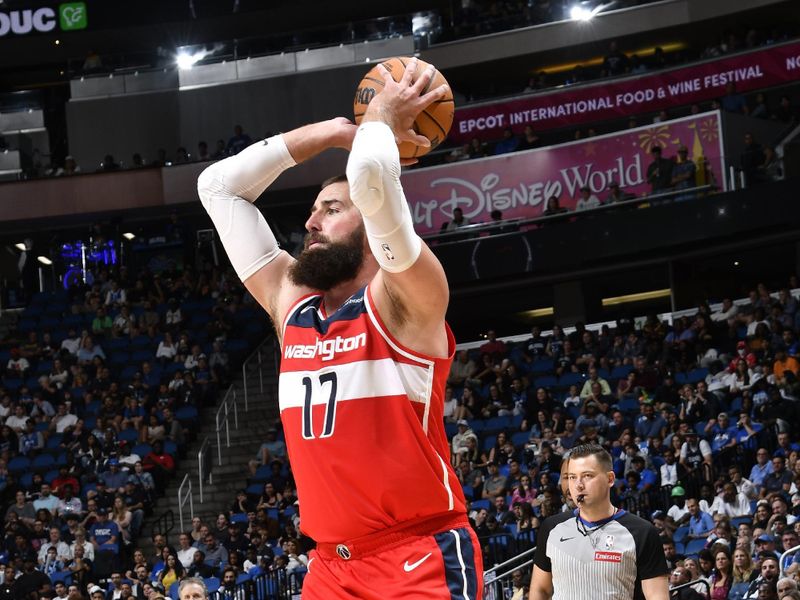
x=601, y=455
x=193, y=581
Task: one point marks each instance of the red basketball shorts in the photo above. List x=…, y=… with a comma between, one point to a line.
x=444, y=566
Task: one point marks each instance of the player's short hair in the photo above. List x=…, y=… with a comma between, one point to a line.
x=342, y=178
x=601, y=455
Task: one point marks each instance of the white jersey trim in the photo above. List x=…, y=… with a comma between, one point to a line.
x=292, y=310
x=428, y=391
x=363, y=379
x=461, y=561
x=446, y=481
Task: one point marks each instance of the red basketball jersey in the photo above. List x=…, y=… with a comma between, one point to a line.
x=363, y=419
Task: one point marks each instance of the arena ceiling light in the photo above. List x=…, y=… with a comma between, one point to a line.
x=20, y=246
x=185, y=60
x=584, y=11
x=129, y=235
x=641, y=296
x=44, y=260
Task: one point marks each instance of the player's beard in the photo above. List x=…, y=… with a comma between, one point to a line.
x=326, y=267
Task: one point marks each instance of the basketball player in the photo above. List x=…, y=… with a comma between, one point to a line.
x=597, y=550
x=365, y=356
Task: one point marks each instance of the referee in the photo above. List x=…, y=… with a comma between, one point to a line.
x=597, y=551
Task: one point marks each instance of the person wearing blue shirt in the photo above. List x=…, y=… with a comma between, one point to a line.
x=649, y=424
x=104, y=534
x=723, y=434
x=700, y=523
x=747, y=430
x=761, y=469
x=647, y=478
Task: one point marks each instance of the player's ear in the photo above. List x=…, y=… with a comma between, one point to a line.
x=612, y=478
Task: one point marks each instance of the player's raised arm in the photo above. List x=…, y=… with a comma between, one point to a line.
x=228, y=189
x=410, y=290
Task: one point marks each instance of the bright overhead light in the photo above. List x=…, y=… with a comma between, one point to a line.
x=579, y=13
x=129, y=235
x=184, y=60
x=20, y=246
x=44, y=260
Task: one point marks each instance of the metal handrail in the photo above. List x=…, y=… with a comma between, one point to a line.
x=203, y=465
x=784, y=555
x=441, y=237
x=258, y=355
x=163, y=524
x=510, y=560
x=692, y=583
x=226, y=406
x=183, y=498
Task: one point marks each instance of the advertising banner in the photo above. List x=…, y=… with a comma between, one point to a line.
x=519, y=184
x=615, y=99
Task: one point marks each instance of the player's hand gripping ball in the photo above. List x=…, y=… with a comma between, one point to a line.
x=434, y=122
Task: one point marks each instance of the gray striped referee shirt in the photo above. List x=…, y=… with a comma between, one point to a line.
x=605, y=560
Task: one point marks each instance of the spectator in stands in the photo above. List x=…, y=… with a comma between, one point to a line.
x=785, y=112
x=752, y=159
x=680, y=576
x=683, y=173
x=615, y=62
x=238, y=142
x=104, y=534
x=88, y=351
x=219, y=151
x=477, y=148
x=116, y=296
x=617, y=194
x=587, y=199
x=700, y=523
x=17, y=365
x=159, y=464
x=529, y=139
x=733, y=101
x=167, y=350
x=553, y=207
x=215, y=554
x=458, y=220
x=171, y=573
x=273, y=448
x=493, y=347
x=659, y=172
x=508, y=144
x=768, y=574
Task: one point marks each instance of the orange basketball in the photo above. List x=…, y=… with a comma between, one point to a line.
x=434, y=122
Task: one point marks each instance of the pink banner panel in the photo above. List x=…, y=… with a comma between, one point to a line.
x=519, y=184
x=646, y=93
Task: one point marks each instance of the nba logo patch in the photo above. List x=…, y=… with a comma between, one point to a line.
x=609, y=542
x=387, y=251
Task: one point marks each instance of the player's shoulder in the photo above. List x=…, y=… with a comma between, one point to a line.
x=551, y=522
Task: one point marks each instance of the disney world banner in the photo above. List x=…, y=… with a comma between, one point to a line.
x=519, y=184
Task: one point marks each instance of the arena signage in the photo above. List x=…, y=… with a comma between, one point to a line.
x=619, y=98
x=519, y=184
x=69, y=16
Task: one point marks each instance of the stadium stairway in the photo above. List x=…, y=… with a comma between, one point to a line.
x=232, y=474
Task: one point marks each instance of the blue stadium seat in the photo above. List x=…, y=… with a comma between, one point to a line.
x=680, y=534
x=128, y=435
x=19, y=464
x=621, y=372
x=542, y=366
x=255, y=489
x=468, y=491
x=479, y=504
x=186, y=413
x=489, y=441
x=696, y=375
x=568, y=379
x=694, y=546
x=547, y=381
x=54, y=441
x=520, y=438
x=212, y=584
x=262, y=473
x=239, y=518
x=142, y=449
x=42, y=463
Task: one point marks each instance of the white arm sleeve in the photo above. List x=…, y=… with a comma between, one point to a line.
x=373, y=171
x=227, y=190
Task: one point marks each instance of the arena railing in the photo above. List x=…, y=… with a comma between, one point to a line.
x=788, y=552
x=222, y=419
x=270, y=585
x=255, y=362
x=512, y=226
x=204, y=467
x=185, y=496
x=690, y=584
x=494, y=584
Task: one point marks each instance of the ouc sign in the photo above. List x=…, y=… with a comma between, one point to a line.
x=70, y=16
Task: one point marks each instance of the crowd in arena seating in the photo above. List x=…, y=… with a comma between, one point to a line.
x=700, y=416
x=101, y=390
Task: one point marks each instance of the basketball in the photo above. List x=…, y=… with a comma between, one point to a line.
x=434, y=122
